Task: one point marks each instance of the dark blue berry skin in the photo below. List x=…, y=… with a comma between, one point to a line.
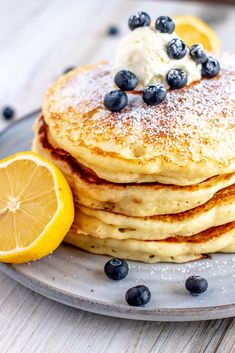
x=138, y=296
x=154, y=94
x=116, y=269
x=8, y=113
x=210, y=68
x=176, y=78
x=176, y=49
x=113, y=30
x=115, y=100
x=165, y=24
x=139, y=19
x=126, y=80
x=198, y=54
x=68, y=69
x=196, y=285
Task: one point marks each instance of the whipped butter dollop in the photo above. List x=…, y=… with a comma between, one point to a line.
x=144, y=52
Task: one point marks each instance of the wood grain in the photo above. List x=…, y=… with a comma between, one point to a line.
x=30, y=323
x=38, y=39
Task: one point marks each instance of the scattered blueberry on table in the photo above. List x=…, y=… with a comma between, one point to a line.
x=126, y=80
x=116, y=269
x=138, y=296
x=8, y=113
x=196, y=285
x=154, y=94
x=113, y=30
x=68, y=69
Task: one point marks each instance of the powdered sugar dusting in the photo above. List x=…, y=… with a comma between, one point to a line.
x=217, y=267
x=86, y=91
x=193, y=122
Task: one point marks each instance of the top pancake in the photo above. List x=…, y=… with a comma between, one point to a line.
x=184, y=140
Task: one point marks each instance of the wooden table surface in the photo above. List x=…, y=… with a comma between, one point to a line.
x=38, y=39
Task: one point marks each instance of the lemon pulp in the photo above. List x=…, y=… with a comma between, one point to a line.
x=35, y=202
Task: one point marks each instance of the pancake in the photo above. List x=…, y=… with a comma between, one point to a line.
x=138, y=200
x=102, y=224
x=177, y=250
x=185, y=140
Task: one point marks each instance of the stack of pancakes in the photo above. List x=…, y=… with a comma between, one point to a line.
x=150, y=183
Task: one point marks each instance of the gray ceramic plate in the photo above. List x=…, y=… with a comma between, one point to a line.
x=76, y=278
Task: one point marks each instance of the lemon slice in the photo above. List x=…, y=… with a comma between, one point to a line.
x=193, y=30
x=36, y=207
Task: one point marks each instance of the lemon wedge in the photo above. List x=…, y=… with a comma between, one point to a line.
x=193, y=30
x=36, y=207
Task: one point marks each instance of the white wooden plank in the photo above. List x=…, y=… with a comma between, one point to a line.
x=37, y=40
x=31, y=323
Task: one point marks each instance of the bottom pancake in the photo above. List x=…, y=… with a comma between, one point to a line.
x=175, y=249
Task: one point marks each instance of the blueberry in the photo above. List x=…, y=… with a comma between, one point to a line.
x=116, y=269
x=165, y=24
x=154, y=94
x=68, y=69
x=126, y=80
x=196, y=285
x=198, y=54
x=139, y=19
x=210, y=68
x=176, y=78
x=115, y=100
x=138, y=296
x=176, y=49
x=8, y=113
x=113, y=30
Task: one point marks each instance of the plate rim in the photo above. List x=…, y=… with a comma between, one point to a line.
x=19, y=120
x=117, y=310
x=113, y=310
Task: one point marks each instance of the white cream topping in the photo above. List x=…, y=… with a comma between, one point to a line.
x=144, y=52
